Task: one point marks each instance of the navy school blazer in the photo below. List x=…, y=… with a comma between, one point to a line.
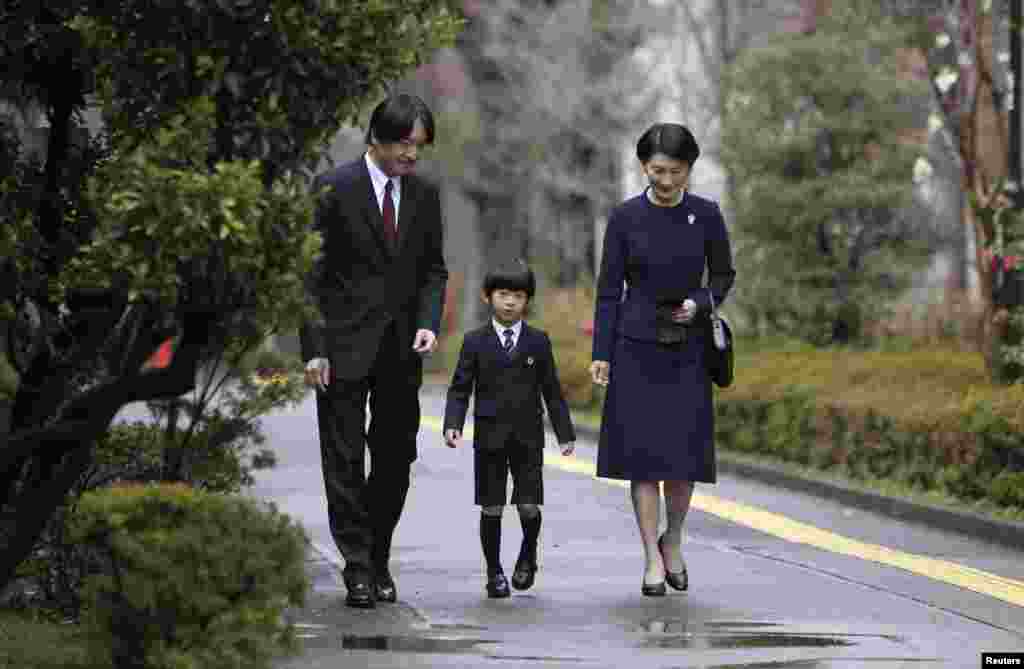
x=507, y=390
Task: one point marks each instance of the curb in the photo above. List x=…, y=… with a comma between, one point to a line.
x=1002, y=532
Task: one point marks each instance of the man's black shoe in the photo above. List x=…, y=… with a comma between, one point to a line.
x=360, y=596
x=497, y=585
x=386, y=591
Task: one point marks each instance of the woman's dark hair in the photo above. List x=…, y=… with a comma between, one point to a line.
x=393, y=119
x=515, y=275
x=670, y=139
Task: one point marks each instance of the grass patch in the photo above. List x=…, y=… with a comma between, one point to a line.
x=38, y=644
x=927, y=388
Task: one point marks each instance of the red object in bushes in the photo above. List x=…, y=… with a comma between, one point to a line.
x=162, y=357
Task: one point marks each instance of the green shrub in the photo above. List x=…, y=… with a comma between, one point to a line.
x=1007, y=489
x=1008, y=358
x=28, y=642
x=562, y=314
x=997, y=444
x=189, y=579
x=128, y=452
x=981, y=462
x=212, y=438
x=8, y=378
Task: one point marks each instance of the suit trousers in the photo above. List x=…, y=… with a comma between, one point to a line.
x=364, y=511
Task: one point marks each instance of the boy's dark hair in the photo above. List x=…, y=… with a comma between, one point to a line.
x=671, y=139
x=393, y=119
x=514, y=275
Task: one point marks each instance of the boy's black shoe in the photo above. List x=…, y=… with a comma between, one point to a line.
x=497, y=584
x=523, y=576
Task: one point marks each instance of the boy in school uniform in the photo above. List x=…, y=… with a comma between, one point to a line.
x=508, y=366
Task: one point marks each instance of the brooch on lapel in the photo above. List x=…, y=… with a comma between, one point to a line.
x=529, y=361
x=691, y=218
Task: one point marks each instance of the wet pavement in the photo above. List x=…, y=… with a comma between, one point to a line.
x=756, y=598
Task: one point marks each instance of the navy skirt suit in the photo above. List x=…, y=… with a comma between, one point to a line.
x=658, y=418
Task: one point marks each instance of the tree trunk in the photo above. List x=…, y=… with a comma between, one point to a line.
x=173, y=457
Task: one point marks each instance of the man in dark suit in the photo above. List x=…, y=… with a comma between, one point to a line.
x=508, y=367
x=379, y=287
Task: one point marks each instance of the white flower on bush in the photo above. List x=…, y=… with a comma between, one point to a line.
x=942, y=40
x=922, y=169
x=945, y=79
x=935, y=122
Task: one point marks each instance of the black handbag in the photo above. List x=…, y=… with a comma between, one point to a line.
x=719, y=354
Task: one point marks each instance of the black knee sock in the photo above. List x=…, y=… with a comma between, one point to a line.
x=490, y=540
x=531, y=531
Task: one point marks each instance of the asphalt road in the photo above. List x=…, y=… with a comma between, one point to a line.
x=778, y=579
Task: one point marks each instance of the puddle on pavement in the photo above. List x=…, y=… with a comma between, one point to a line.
x=792, y=664
x=678, y=634
x=741, y=641
x=460, y=627
x=411, y=644
x=681, y=626
x=535, y=658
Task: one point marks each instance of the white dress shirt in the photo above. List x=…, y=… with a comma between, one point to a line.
x=380, y=182
x=516, y=328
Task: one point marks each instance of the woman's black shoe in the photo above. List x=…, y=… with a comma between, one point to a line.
x=654, y=590
x=679, y=580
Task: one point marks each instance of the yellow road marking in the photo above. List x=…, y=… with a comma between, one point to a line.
x=1005, y=589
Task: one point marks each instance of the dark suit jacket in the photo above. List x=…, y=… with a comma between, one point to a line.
x=359, y=283
x=661, y=256
x=507, y=390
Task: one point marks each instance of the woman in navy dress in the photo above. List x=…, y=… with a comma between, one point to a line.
x=658, y=419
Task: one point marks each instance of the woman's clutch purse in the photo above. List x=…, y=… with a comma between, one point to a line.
x=667, y=331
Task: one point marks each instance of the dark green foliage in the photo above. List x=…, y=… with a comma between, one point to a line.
x=1008, y=361
x=8, y=381
x=189, y=578
x=816, y=138
x=169, y=200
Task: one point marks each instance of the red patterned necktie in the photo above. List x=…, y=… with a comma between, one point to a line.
x=390, y=228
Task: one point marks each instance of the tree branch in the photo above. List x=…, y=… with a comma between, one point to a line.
x=83, y=419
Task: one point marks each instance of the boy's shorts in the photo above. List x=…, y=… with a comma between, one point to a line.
x=492, y=467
